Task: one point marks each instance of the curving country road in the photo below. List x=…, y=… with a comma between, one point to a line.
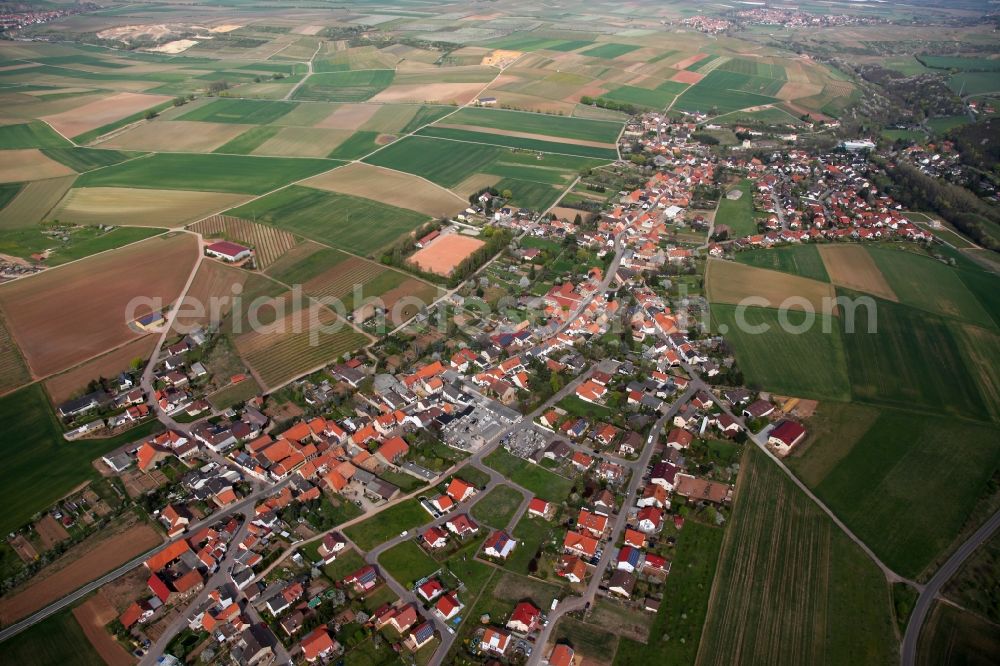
x=908, y=650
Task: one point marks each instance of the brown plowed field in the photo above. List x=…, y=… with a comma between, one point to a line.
x=685, y=76
x=19, y=166
x=851, y=266
x=50, y=532
x=349, y=117
x=391, y=187
x=92, y=616
x=63, y=386
x=67, y=315
x=444, y=254
x=92, y=559
x=733, y=283
x=101, y=112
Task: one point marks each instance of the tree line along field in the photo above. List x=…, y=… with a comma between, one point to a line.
x=791, y=588
x=214, y=173
x=351, y=223
x=870, y=466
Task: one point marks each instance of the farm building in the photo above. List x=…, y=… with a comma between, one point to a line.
x=785, y=436
x=228, y=251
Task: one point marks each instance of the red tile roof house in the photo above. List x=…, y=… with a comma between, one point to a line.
x=540, y=508
x=525, y=618
x=431, y=589
x=499, y=545
x=448, y=606
x=580, y=544
x=494, y=641
x=435, y=537
x=462, y=525
x=228, y=251
x=562, y=655
x=460, y=490
x=331, y=547
x=679, y=439
x=592, y=392
x=392, y=450
x=785, y=436
x=572, y=568
x=592, y=523
x=318, y=645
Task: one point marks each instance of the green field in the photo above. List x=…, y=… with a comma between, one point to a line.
x=738, y=214
x=213, y=173
x=40, y=466
x=930, y=285
x=535, y=479
x=943, y=124
x=953, y=636
x=803, y=260
x=528, y=194
x=440, y=162
x=498, y=507
x=528, y=42
x=407, y=563
x=728, y=91
x=7, y=193
x=676, y=631
x=961, y=63
x=814, y=598
x=657, y=98
x=249, y=141
x=356, y=146
x=100, y=242
x=810, y=365
x=359, y=225
x=248, y=111
x=915, y=360
x=356, y=86
x=85, y=159
x=870, y=466
x=609, y=51
x=477, y=138
x=538, y=123
x=55, y=640
x=388, y=524
x=34, y=134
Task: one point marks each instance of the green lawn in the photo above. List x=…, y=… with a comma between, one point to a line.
x=738, y=214
x=407, y=563
x=591, y=642
x=541, y=482
x=531, y=533
x=55, y=640
x=498, y=507
x=388, y=524
x=539, y=123
x=880, y=486
x=39, y=465
x=808, y=365
x=359, y=225
x=528, y=194
x=790, y=587
x=356, y=86
x=657, y=98
x=34, y=134
x=676, y=631
x=802, y=260
x=574, y=406
x=100, y=242
x=537, y=145
x=241, y=111
x=213, y=173
x=346, y=563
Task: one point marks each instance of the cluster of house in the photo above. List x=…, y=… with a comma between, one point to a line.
x=122, y=401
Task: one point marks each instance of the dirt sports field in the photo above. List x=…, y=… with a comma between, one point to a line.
x=391, y=187
x=50, y=531
x=445, y=253
x=141, y=207
x=851, y=266
x=93, y=615
x=101, y=112
x=63, y=386
x=67, y=315
x=30, y=164
x=730, y=282
x=91, y=559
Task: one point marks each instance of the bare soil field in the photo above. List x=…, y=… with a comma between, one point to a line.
x=391, y=187
x=63, y=386
x=533, y=103
x=100, y=112
x=30, y=164
x=445, y=253
x=50, y=531
x=690, y=60
x=267, y=242
x=93, y=615
x=33, y=202
x=851, y=266
x=141, y=207
x=567, y=213
x=349, y=117
x=175, y=136
x=67, y=315
x=307, y=30
x=730, y=282
x=684, y=76
x=446, y=93
x=91, y=559
x=24, y=549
